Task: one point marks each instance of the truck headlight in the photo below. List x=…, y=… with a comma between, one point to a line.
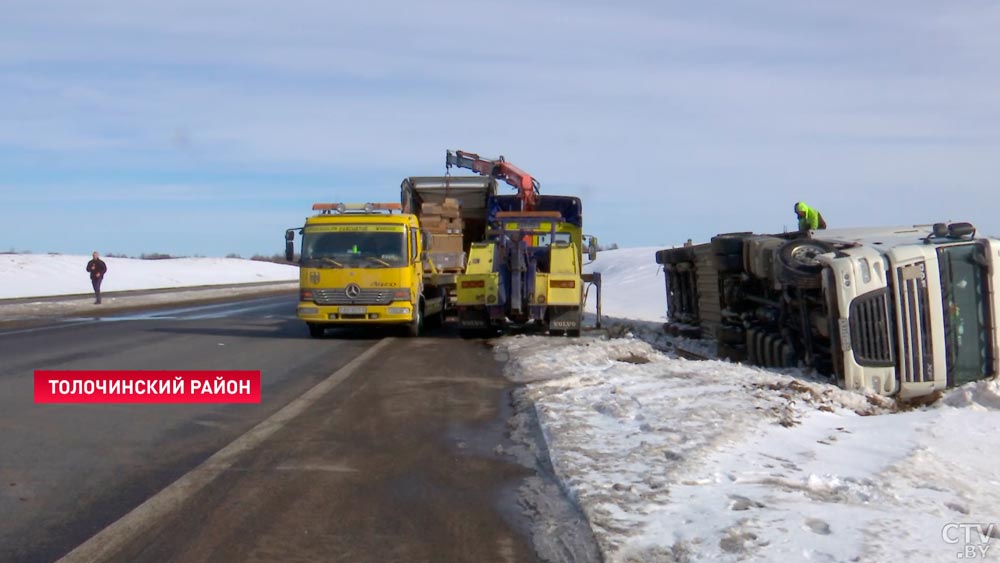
x=866, y=270
x=399, y=310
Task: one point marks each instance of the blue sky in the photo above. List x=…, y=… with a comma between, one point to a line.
x=208, y=128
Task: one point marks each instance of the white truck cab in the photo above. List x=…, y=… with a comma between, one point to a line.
x=915, y=308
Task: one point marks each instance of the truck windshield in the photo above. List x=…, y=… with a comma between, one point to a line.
x=353, y=249
x=966, y=313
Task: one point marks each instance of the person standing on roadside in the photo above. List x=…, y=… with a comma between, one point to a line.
x=97, y=269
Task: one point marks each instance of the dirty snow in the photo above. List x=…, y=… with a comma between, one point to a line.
x=678, y=460
x=35, y=275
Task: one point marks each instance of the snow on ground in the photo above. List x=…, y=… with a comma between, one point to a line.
x=672, y=459
x=633, y=284
x=677, y=460
x=34, y=275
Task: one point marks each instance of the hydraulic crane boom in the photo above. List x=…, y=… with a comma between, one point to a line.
x=526, y=186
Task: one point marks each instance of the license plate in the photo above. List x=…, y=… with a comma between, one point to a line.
x=353, y=310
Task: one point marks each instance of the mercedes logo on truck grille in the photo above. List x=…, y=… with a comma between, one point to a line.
x=352, y=291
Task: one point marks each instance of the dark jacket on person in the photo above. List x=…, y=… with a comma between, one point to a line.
x=97, y=268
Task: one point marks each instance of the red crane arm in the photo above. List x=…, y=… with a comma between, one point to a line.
x=526, y=186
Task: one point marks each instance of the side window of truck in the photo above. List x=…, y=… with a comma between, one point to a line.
x=414, y=233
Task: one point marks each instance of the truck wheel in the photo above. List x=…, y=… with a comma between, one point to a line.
x=316, y=330
x=797, y=265
x=728, y=263
x=416, y=326
x=732, y=335
x=729, y=243
x=434, y=321
x=727, y=251
x=675, y=255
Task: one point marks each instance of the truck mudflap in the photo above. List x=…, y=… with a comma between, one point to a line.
x=565, y=319
x=480, y=317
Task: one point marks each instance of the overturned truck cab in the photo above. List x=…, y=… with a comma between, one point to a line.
x=896, y=311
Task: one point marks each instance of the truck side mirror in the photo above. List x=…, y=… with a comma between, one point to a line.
x=289, y=245
x=428, y=239
x=592, y=249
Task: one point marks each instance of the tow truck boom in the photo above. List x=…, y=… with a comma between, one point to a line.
x=527, y=187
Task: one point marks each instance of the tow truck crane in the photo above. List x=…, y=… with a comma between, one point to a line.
x=527, y=187
x=528, y=271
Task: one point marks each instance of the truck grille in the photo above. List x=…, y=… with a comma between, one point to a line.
x=870, y=336
x=338, y=296
x=916, y=355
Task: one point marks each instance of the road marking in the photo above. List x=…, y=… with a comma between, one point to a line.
x=107, y=543
x=67, y=323
x=72, y=319
x=325, y=467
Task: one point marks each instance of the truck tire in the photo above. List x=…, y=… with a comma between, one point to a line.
x=732, y=335
x=796, y=263
x=416, y=326
x=316, y=330
x=727, y=251
x=671, y=256
x=728, y=263
x=732, y=352
x=729, y=243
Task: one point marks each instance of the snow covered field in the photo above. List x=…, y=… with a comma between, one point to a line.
x=675, y=460
x=36, y=275
x=633, y=284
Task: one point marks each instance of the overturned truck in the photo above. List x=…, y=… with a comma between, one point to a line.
x=896, y=311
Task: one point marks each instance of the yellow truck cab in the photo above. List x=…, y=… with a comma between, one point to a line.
x=389, y=263
x=362, y=264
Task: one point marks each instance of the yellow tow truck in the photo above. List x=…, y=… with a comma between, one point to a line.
x=374, y=264
x=528, y=270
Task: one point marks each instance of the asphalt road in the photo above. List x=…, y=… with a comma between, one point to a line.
x=396, y=462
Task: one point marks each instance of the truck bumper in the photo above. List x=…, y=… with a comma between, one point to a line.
x=394, y=313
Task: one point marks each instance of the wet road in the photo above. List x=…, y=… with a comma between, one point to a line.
x=396, y=462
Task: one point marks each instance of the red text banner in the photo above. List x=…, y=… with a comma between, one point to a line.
x=147, y=386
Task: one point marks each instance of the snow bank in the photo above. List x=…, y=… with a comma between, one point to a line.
x=676, y=460
x=35, y=275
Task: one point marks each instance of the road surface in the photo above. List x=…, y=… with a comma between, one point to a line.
x=396, y=460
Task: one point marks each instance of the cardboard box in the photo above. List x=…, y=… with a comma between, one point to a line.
x=446, y=243
x=437, y=224
x=440, y=210
x=445, y=261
